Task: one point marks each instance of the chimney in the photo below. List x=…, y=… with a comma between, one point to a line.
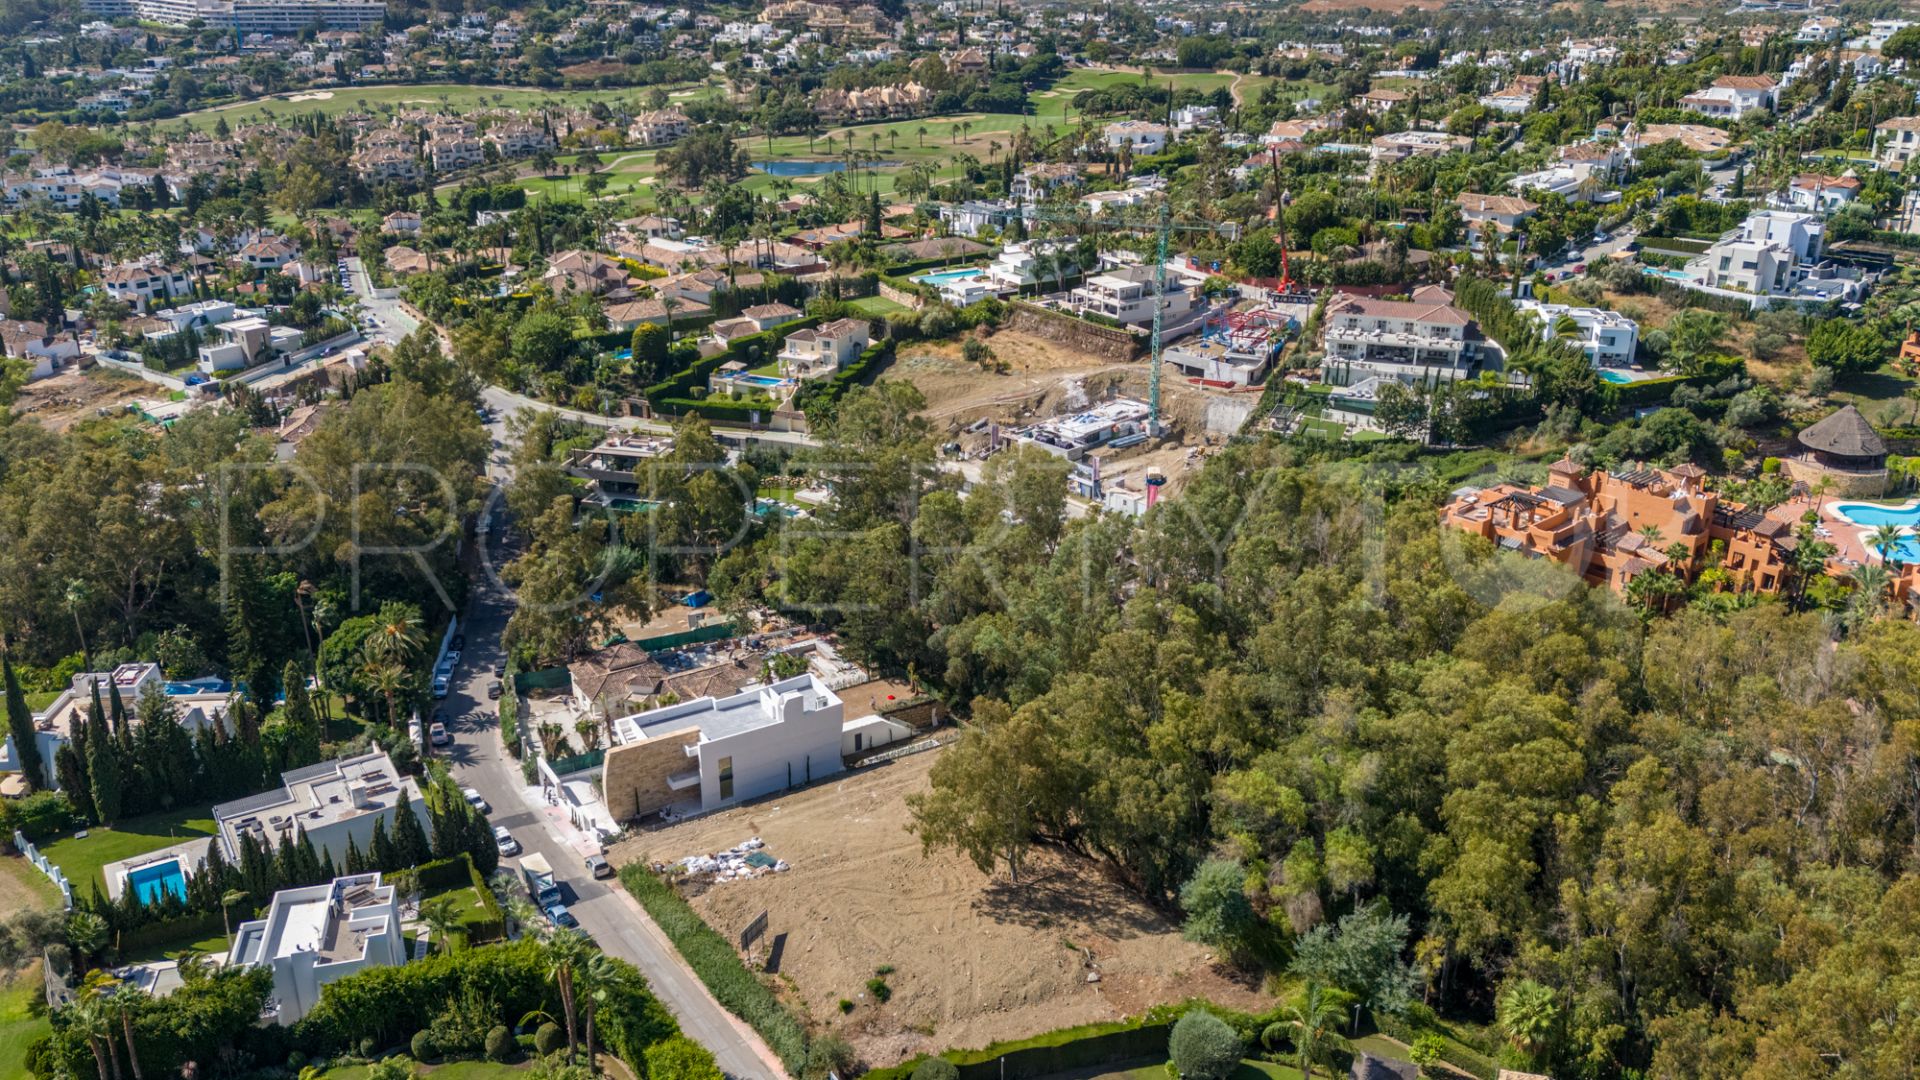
x=357, y=794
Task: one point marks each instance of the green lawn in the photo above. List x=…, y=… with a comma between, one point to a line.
x=876, y=305
x=470, y=908
x=81, y=858
x=215, y=946
x=40, y=699
x=937, y=141
x=21, y=1021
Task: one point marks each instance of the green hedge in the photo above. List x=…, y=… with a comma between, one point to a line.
x=723, y=409
x=198, y=926
x=1458, y=1053
x=1064, y=1050
x=817, y=398
x=712, y=957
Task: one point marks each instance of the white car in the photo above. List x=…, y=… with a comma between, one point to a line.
x=508, y=845
x=478, y=800
x=440, y=736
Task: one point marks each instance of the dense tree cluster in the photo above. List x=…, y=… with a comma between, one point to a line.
x=1351, y=742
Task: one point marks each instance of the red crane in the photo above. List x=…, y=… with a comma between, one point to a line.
x=1287, y=284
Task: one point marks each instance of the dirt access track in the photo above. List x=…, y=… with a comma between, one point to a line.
x=974, y=958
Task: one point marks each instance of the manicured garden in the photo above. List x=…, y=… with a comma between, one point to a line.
x=81, y=857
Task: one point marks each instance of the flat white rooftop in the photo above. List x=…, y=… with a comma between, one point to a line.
x=718, y=718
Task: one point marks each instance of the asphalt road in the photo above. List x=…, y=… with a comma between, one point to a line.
x=605, y=911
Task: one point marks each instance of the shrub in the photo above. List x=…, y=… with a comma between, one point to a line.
x=829, y=1054
x=936, y=1068
x=549, y=1038
x=500, y=1044
x=879, y=989
x=369, y=1046
x=846, y=1006
x=713, y=959
x=1203, y=1047
x=680, y=1058
x=1428, y=1049
x=422, y=1046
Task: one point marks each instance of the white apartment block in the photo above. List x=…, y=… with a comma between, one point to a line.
x=713, y=752
x=283, y=17
x=1409, y=340
x=520, y=139
x=331, y=803
x=312, y=936
x=140, y=284
x=1607, y=337
x=661, y=126
x=455, y=152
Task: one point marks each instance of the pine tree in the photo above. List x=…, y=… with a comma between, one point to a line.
x=409, y=839
x=327, y=870
x=303, y=727
x=70, y=768
x=381, y=854
x=254, y=871
x=449, y=834
x=355, y=863
x=26, y=746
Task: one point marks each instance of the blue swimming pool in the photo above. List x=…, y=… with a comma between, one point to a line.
x=1870, y=514
x=207, y=685
x=1661, y=271
x=1615, y=377
x=759, y=380
x=632, y=506
x=155, y=880
x=800, y=168
x=944, y=276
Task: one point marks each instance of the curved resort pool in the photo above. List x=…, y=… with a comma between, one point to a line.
x=1871, y=514
x=1615, y=377
x=155, y=880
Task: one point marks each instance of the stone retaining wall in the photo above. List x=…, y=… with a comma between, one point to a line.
x=1076, y=334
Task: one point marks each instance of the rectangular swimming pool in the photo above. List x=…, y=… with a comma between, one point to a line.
x=944, y=276
x=155, y=880
x=758, y=380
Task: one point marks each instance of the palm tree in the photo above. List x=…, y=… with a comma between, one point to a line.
x=86, y=934
x=525, y=915
x=120, y=1004
x=1651, y=533
x=567, y=953
x=592, y=983
x=921, y=132
x=87, y=1018
x=1526, y=1012
x=227, y=900
x=396, y=639
x=386, y=678
x=77, y=595
x=440, y=918
x=1871, y=583
x=1884, y=539
x=301, y=594
x=1310, y=1023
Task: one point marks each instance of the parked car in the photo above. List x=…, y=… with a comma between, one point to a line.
x=440, y=686
x=495, y=689
x=478, y=800
x=440, y=735
x=500, y=670
x=561, y=916
x=453, y=657
x=599, y=867
x=459, y=643
x=508, y=845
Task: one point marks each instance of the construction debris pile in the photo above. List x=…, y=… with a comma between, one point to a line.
x=746, y=860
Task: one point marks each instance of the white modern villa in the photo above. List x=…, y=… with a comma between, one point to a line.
x=312, y=936
x=330, y=803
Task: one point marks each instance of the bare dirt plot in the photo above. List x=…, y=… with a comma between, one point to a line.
x=1038, y=377
x=23, y=886
x=974, y=958
x=65, y=399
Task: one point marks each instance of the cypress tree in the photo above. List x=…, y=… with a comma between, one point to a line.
x=356, y=863
x=117, y=709
x=71, y=770
x=26, y=747
x=327, y=870
x=253, y=873
x=103, y=765
x=310, y=870
x=286, y=863
x=409, y=839
x=381, y=854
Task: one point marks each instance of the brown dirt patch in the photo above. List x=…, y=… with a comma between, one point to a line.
x=23, y=886
x=975, y=958
x=71, y=397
